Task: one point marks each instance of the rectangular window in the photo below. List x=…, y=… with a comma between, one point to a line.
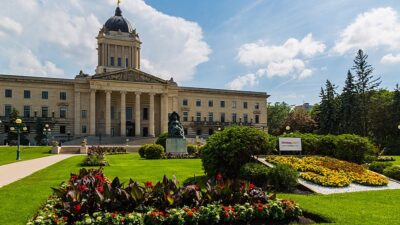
x=198, y=132
x=233, y=104
x=126, y=62
x=63, y=95
x=112, y=61
x=129, y=113
x=222, y=104
x=185, y=130
x=145, y=113
x=245, y=105
x=119, y=61
x=7, y=110
x=45, y=95
x=198, y=102
x=210, y=103
x=63, y=112
x=210, y=117
x=112, y=112
x=222, y=117
x=257, y=118
x=198, y=116
x=257, y=105
x=185, y=116
x=84, y=129
x=234, y=117
x=27, y=94
x=8, y=93
x=45, y=111
x=84, y=114
x=27, y=111
x=62, y=129
x=185, y=102
x=245, y=118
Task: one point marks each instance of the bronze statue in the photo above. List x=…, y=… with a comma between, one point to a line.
x=175, y=129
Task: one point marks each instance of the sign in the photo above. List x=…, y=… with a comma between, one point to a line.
x=290, y=144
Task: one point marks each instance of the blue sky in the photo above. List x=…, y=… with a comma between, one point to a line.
x=285, y=48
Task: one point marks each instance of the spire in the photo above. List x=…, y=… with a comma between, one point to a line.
x=118, y=11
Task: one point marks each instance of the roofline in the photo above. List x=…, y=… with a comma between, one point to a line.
x=264, y=94
x=19, y=77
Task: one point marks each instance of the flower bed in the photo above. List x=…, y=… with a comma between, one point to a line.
x=90, y=198
x=330, y=172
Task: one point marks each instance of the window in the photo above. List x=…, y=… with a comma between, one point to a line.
x=84, y=114
x=233, y=104
x=198, y=132
x=27, y=111
x=198, y=116
x=245, y=118
x=210, y=117
x=119, y=61
x=126, y=62
x=145, y=113
x=222, y=104
x=45, y=111
x=63, y=112
x=234, y=117
x=63, y=95
x=129, y=113
x=210, y=103
x=84, y=129
x=185, y=116
x=245, y=105
x=198, y=102
x=7, y=110
x=112, y=112
x=45, y=95
x=27, y=94
x=185, y=131
x=62, y=129
x=257, y=105
x=112, y=61
x=8, y=93
x=257, y=117
x=222, y=117
x=185, y=102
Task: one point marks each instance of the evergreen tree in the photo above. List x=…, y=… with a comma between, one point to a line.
x=349, y=119
x=328, y=109
x=40, y=136
x=366, y=83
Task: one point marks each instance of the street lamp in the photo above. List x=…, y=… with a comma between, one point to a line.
x=287, y=128
x=19, y=127
x=46, y=131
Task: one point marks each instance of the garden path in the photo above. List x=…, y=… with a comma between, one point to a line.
x=10, y=173
x=393, y=184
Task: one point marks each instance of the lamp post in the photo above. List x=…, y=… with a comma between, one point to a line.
x=18, y=128
x=287, y=128
x=46, y=131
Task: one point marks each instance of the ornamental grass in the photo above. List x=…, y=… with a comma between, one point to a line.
x=330, y=172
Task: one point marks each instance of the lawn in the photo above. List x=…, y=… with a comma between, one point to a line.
x=9, y=154
x=397, y=162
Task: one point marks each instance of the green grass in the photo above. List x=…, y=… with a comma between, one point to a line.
x=397, y=162
x=9, y=154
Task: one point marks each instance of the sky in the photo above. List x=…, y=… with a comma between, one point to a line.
x=285, y=48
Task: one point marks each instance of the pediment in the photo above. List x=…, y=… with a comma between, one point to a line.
x=130, y=76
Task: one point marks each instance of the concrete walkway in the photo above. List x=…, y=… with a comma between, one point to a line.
x=10, y=173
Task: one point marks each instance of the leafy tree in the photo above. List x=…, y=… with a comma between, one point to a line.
x=329, y=108
x=300, y=121
x=393, y=147
x=40, y=136
x=315, y=113
x=12, y=137
x=277, y=114
x=365, y=84
x=349, y=118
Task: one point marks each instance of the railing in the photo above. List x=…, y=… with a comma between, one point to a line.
x=216, y=123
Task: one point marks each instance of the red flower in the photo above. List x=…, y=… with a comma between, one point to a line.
x=251, y=186
x=83, y=188
x=55, y=221
x=77, y=207
x=73, y=178
x=226, y=214
x=65, y=218
x=113, y=215
x=148, y=184
x=190, y=214
x=100, y=189
x=218, y=177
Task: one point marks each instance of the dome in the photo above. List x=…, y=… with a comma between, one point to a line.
x=118, y=23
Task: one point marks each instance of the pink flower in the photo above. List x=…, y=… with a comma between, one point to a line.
x=218, y=177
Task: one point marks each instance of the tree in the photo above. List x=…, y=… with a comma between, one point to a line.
x=393, y=147
x=299, y=120
x=40, y=136
x=349, y=119
x=365, y=84
x=12, y=136
x=277, y=114
x=329, y=108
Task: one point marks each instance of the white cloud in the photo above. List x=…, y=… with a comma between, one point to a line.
x=375, y=28
x=9, y=26
x=242, y=81
x=283, y=68
x=390, y=59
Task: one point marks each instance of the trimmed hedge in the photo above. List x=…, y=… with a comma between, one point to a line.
x=392, y=172
x=379, y=166
x=255, y=173
x=151, y=151
x=282, y=177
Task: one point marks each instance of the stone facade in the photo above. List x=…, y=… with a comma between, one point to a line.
x=122, y=100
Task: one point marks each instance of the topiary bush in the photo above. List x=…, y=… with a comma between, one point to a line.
x=142, y=150
x=392, y=172
x=192, y=149
x=154, y=151
x=379, y=166
x=255, y=173
x=162, y=140
x=282, y=178
x=227, y=151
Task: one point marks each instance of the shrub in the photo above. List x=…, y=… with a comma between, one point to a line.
x=272, y=145
x=192, y=149
x=385, y=158
x=282, y=177
x=379, y=166
x=254, y=172
x=142, y=150
x=94, y=160
x=226, y=151
x=162, y=140
x=392, y=172
x=153, y=151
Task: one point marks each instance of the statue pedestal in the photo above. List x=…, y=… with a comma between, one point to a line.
x=176, y=146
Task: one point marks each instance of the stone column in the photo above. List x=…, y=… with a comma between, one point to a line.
x=137, y=114
x=77, y=114
x=108, y=113
x=175, y=104
x=151, y=116
x=92, y=128
x=123, y=113
x=164, y=113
